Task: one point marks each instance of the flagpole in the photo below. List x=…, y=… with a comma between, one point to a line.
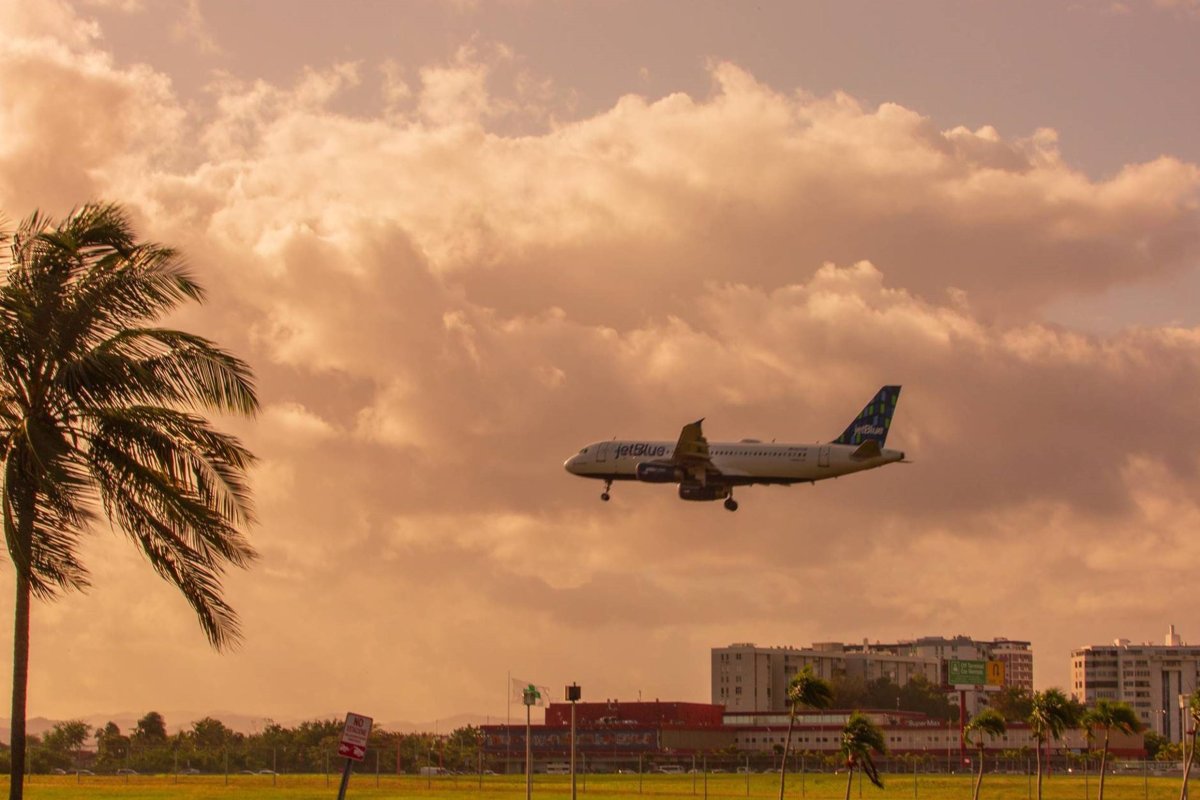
x=528, y=754
x=508, y=726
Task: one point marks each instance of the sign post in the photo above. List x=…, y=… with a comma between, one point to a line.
x=353, y=746
x=968, y=675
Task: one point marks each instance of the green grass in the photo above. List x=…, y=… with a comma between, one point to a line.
x=598, y=787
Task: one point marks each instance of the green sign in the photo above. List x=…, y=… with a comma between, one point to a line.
x=969, y=673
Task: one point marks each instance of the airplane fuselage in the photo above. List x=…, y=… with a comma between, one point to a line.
x=706, y=471
x=738, y=463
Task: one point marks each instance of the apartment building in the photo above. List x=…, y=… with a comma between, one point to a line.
x=748, y=678
x=1151, y=678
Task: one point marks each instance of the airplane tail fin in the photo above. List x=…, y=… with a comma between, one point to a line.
x=872, y=423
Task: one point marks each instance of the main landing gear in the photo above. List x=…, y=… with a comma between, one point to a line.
x=730, y=504
x=605, y=495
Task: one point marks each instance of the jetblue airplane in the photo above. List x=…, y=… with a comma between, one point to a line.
x=710, y=471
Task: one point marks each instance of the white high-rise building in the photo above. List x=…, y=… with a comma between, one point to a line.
x=1154, y=679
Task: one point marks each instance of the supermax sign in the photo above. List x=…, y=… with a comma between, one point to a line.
x=641, y=450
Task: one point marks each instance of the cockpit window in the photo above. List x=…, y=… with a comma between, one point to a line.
x=584, y=450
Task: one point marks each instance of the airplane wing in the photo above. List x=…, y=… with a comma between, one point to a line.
x=691, y=453
x=692, y=447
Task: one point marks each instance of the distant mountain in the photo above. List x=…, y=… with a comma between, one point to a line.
x=244, y=723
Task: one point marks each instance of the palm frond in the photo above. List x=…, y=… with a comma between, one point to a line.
x=95, y=412
x=197, y=577
x=156, y=365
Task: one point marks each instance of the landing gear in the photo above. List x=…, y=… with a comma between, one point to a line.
x=730, y=504
x=604, y=495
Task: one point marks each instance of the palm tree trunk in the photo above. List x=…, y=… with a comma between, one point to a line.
x=20, y=685
x=1103, y=764
x=1038, y=759
x=1187, y=768
x=849, y=781
x=21, y=552
x=787, y=746
x=979, y=777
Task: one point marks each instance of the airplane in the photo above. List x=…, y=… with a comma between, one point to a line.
x=708, y=472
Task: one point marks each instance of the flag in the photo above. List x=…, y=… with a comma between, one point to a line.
x=520, y=687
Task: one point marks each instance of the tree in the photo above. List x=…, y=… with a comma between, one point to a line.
x=860, y=736
x=151, y=729
x=67, y=737
x=1106, y=715
x=1193, y=712
x=111, y=746
x=1013, y=702
x=211, y=734
x=804, y=689
x=97, y=414
x=1050, y=714
x=988, y=723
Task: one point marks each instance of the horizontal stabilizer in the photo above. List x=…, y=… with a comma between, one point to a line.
x=868, y=449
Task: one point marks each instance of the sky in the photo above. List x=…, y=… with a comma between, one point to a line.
x=459, y=240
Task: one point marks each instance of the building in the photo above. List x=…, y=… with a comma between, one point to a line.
x=1016, y=655
x=1154, y=679
x=906, y=733
x=613, y=735
x=650, y=736
x=748, y=678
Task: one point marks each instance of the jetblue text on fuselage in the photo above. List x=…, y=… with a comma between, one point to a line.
x=641, y=450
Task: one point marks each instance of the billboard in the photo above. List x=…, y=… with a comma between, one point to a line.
x=962, y=672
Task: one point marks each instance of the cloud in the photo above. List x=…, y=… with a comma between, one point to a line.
x=440, y=312
x=192, y=28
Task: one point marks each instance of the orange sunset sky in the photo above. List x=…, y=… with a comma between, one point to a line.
x=458, y=240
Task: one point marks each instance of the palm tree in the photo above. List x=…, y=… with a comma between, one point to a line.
x=804, y=689
x=95, y=416
x=1106, y=715
x=859, y=737
x=989, y=723
x=1193, y=712
x=1050, y=714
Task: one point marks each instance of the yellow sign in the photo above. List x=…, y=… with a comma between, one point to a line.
x=995, y=673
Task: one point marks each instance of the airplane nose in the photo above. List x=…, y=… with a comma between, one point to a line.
x=570, y=464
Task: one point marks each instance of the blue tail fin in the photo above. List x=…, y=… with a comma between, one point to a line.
x=872, y=423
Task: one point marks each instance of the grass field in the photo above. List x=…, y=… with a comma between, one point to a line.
x=597, y=787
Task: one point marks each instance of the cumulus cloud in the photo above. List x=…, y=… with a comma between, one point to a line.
x=440, y=312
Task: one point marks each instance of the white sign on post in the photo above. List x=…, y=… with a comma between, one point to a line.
x=354, y=737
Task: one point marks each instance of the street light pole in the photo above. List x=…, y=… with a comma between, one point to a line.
x=530, y=696
x=573, y=695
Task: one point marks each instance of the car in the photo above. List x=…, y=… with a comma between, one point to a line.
x=189, y=771
x=246, y=772
x=58, y=771
x=266, y=772
x=84, y=772
x=126, y=771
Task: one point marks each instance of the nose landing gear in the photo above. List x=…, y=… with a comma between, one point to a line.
x=731, y=504
x=605, y=495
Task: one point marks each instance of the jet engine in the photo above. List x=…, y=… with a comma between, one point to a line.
x=658, y=473
x=694, y=491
